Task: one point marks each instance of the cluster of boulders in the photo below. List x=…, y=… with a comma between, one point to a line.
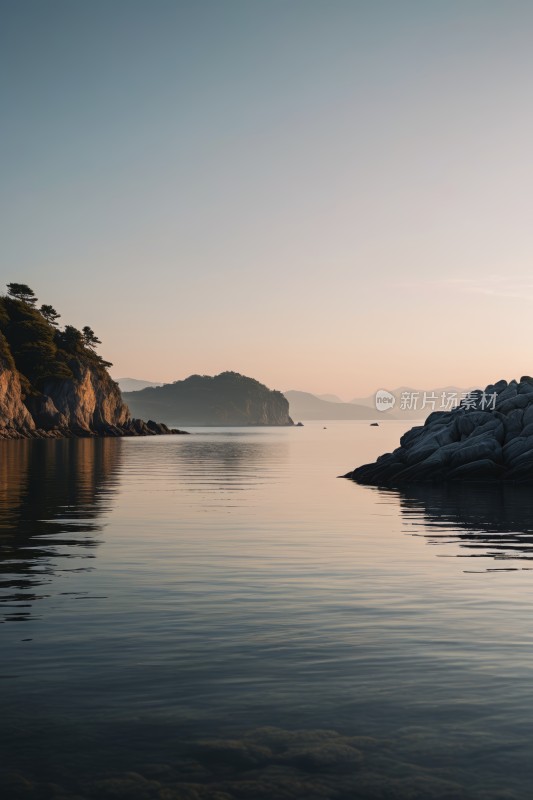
x=489, y=436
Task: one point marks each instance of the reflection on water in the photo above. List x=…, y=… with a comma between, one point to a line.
x=51, y=496
x=227, y=463
x=220, y=618
x=485, y=521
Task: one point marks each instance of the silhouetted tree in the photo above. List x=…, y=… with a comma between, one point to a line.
x=20, y=291
x=71, y=339
x=89, y=338
x=50, y=314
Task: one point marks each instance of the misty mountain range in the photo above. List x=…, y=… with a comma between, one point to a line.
x=307, y=406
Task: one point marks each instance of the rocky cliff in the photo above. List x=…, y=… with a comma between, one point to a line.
x=14, y=416
x=225, y=399
x=52, y=382
x=489, y=437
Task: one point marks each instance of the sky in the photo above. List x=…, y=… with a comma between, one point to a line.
x=325, y=195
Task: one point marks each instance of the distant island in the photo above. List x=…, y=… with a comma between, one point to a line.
x=488, y=437
x=225, y=399
x=53, y=383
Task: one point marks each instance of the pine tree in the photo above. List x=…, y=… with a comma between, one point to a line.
x=89, y=338
x=50, y=314
x=22, y=292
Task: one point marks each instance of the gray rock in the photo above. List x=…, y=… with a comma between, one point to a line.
x=477, y=448
x=514, y=421
x=516, y=448
x=518, y=401
x=522, y=467
x=464, y=444
x=527, y=417
x=476, y=470
x=411, y=435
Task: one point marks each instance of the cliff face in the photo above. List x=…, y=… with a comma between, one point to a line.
x=225, y=399
x=90, y=404
x=53, y=384
x=91, y=401
x=14, y=416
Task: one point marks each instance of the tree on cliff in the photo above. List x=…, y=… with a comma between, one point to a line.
x=90, y=339
x=71, y=339
x=81, y=343
x=50, y=314
x=31, y=339
x=22, y=292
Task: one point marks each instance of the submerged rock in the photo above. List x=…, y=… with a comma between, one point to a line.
x=488, y=437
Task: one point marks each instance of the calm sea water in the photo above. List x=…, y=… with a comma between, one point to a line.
x=219, y=617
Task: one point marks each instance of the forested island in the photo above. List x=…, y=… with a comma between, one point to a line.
x=53, y=383
x=225, y=399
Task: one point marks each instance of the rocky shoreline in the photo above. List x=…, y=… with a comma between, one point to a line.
x=87, y=405
x=134, y=427
x=489, y=437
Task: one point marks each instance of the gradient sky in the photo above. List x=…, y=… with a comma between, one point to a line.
x=327, y=195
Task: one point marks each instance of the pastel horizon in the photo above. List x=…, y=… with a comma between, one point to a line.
x=332, y=198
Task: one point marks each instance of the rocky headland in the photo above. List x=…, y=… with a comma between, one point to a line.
x=225, y=399
x=53, y=384
x=488, y=437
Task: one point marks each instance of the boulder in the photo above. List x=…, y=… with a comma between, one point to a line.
x=473, y=442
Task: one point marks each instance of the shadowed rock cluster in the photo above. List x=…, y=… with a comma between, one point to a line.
x=489, y=437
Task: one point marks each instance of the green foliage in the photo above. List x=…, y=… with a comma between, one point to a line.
x=39, y=361
x=22, y=292
x=31, y=341
x=5, y=352
x=71, y=340
x=74, y=342
x=50, y=314
x=89, y=337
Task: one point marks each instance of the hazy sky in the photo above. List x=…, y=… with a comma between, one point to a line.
x=328, y=195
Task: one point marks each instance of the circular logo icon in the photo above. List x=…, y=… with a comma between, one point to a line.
x=384, y=400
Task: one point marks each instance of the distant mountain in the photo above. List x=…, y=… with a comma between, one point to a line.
x=331, y=398
x=303, y=405
x=134, y=384
x=225, y=399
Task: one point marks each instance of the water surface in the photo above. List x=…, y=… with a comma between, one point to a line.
x=218, y=616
